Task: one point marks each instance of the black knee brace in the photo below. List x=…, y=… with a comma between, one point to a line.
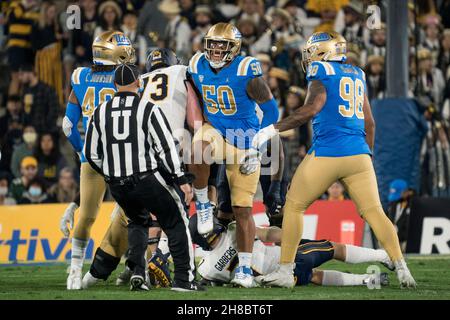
x=103, y=265
x=154, y=240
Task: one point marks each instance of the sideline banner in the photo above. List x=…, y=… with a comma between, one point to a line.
x=30, y=233
x=429, y=226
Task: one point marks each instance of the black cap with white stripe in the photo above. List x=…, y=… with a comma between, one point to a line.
x=126, y=74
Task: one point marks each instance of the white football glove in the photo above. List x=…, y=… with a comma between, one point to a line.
x=67, y=218
x=263, y=136
x=250, y=162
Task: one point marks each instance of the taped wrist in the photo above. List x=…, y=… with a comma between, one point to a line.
x=103, y=265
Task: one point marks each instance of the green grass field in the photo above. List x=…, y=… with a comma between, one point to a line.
x=48, y=282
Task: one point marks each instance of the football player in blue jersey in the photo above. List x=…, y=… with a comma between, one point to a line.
x=91, y=87
x=342, y=146
x=230, y=86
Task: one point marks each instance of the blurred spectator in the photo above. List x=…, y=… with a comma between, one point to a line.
x=295, y=141
x=28, y=170
x=331, y=14
x=432, y=32
x=20, y=18
x=266, y=64
x=399, y=198
x=130, y=5
x=109, y=14
x=375, y=77
x=278, y=83
x=82, y=38
x=9, y=142
x=273, y=39
x=444, y=54
x=152, y=24
x=353, y=58
x=377, y=45
x=203, y=21
x=254, y=10
x=66, y=189
x=47, y=35
x=304, y=25
x=444, y=11
x=23, y=150
x=354, y=31
x=50, y=160
x=336, y=192
x=129, y=28
x=14, y=112
x=431, y=80
x=5, y=196
x=177, y=35
x=188, y=12
x=35, y=193
x=248, y=29
x=40, y=101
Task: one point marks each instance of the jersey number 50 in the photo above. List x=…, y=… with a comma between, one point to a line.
x=351, y=92
x=215, y=99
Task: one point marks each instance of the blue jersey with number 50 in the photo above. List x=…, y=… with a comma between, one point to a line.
x=225, y=101
x=338, y=129
x=91, y=90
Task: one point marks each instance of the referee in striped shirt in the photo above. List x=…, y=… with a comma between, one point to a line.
x=129, y=142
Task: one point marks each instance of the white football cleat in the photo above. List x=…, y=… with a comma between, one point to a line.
x=74, y=279
x=282, y=277
x=244, y=278
x=205, y=222
x=88, y=280
x=138, y=283
x=404, y=275
x=124, y=277
x=387, y=262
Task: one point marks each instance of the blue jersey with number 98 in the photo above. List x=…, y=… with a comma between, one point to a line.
x=226, y=104
x=338, y=129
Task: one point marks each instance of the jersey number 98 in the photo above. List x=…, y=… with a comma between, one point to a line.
x=352, y=92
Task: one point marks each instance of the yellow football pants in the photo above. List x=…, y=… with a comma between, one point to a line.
x=92, y=191
x=313, y=177
x=242, y=187
x=115, y=241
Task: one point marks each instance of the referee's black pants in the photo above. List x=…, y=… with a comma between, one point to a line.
x=153, y=194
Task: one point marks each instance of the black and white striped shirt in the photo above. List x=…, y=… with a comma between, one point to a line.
x=126, y=136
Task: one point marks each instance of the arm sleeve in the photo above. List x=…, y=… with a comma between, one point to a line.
x=270, y=112
x=93, y=147
x=70, y=126
x=164, y=144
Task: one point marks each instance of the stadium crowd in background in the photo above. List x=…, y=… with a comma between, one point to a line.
x=38, y=53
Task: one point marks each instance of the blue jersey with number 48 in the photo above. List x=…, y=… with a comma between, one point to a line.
x=226, y=104
x=338, y=129
x=91, y=89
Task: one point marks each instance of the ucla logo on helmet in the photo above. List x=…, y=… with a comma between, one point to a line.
x=237, y=33
x=323, y=36
x=122, y=40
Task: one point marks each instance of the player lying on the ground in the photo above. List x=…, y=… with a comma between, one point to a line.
x=221, y=258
